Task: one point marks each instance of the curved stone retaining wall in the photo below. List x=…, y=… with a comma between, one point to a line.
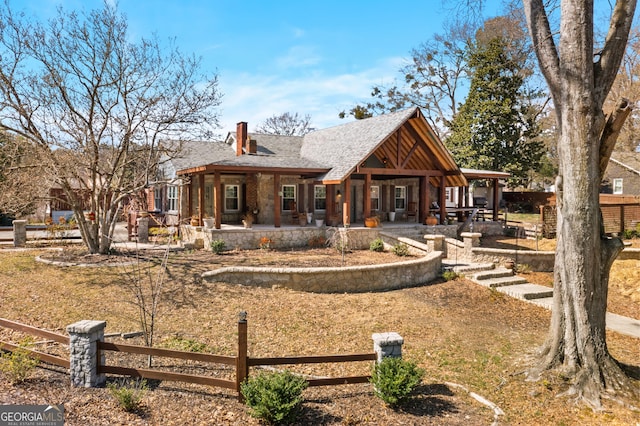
x=336, y=280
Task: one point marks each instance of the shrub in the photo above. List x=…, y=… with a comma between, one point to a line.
x=394, y=379
x=401, y=249
x=218, y=246
x=377, y=245
x=265, y=243
x=274, y=397
x=629, y=234
x=317, y=241
x=450, y=275
x=128, y=393
x=523, y=268
x=18, y=365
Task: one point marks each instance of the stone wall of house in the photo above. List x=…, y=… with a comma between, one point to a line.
x=333, y=280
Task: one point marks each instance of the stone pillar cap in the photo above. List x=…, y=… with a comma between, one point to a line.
x=86, y=326
x=387, y=339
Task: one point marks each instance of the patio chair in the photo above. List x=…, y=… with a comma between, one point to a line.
x=295, y=215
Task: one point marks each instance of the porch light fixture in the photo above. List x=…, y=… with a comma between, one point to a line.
x=339, y=195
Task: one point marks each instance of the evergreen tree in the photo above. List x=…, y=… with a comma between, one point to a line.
x=496, y=129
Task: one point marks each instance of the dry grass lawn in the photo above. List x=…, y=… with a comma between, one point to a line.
x=457, y=331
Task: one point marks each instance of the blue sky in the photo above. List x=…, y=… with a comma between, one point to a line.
x=309, y=57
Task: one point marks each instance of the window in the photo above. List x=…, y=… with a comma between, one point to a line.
x=172, y=198
x=157, y=199
x=375, y=198
x=231, y=198
x=401, y=197
x=617, y=186
x=319, y=197
x=288, y=196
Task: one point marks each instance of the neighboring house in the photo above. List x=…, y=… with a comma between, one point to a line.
x=391, y=163
x=623, y=174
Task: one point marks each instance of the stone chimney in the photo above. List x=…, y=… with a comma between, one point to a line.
x=241, y=137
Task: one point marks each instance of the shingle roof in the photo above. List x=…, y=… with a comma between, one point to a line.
x=342, y=148
x=628, y=160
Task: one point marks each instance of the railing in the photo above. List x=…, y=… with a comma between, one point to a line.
x=51, y=359
x=241, y=362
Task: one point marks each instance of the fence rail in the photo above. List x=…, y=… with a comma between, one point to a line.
x=240, y=363
x=45, y=357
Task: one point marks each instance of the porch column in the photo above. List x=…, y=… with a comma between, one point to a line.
x=331, y=204
x=423, y=199
x=200, y=199
x=190, y=198
x=461, y=197
x=495, y=200
x=367, y=195
x=217, y=199
x=443, y=199
x=277, y=201
x=346, y=202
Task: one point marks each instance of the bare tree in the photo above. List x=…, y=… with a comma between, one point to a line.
x=286, y=124
x=95, y=105
x=579, y=79
x=23, y=177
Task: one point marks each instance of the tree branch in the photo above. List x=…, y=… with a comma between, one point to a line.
x=544, y=46
x=610, y=132
x=606, y=67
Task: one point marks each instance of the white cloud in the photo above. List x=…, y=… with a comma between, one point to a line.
x=253, y=98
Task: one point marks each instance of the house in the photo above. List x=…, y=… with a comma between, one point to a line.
x=623, y=174
x=392, y=166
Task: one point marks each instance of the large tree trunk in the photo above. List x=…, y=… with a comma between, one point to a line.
x=579, y=81
x=577, y=342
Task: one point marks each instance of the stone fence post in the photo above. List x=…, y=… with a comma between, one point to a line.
x=83, y=350
x=387, y=345
x=143, y=230
x=19, y=233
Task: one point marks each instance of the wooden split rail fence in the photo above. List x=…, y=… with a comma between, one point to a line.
x=240, y=363
x=51, y=359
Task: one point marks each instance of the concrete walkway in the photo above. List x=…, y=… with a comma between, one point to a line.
x=504, y=281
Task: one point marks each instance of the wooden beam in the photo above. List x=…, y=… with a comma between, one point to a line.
x=346, y=203
x=367, y=196
x=409, y=154
x=424, y=201
x=277, y=201
x=217, y=197
x=495, y=199
x=200, y=199
x=443, y=199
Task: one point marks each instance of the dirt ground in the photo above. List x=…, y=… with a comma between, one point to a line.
x=460, y=333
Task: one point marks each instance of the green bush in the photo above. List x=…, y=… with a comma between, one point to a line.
x=18, y=365
x=274, y=397
x=394, y=379
x=377, y=245
x=401, y=249
x=218, y=246
x=450, y=275
x=128, y=393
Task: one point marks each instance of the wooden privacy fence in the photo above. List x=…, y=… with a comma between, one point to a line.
x=80, y=343
x=617, y=217
x=51, y=359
